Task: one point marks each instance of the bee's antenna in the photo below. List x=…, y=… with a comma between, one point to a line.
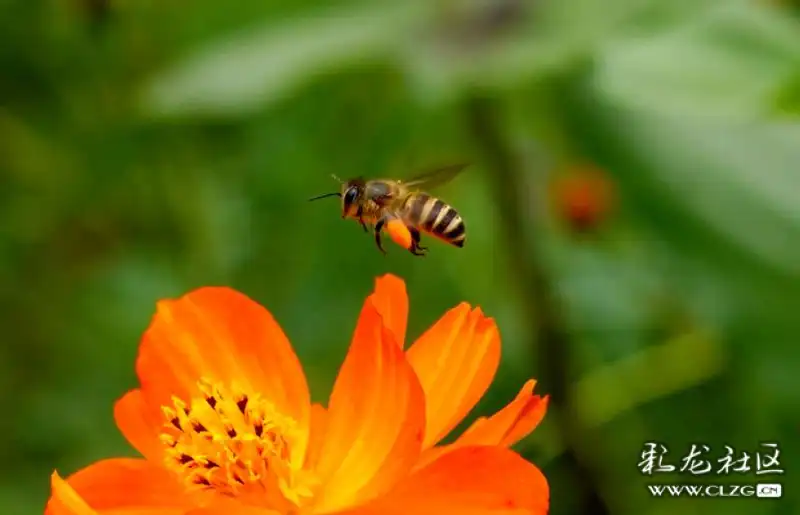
x=337, y=194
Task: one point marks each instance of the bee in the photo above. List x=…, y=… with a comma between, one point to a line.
x=402, y=207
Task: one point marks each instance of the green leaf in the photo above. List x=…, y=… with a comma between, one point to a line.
x=445, y=50
x=729, y=62
x=641, y=378
x=547, y=38
x=739, y=181
x=248, y=71
x=787, y=99
x=651, y=374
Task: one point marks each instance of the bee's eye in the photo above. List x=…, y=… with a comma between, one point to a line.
x=351, y=195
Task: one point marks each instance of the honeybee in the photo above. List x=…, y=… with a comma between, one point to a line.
x=386, y=202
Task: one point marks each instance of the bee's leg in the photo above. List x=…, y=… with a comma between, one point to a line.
x=363, y=224
x=378, y=228
x=415, y=236
x=415, y=247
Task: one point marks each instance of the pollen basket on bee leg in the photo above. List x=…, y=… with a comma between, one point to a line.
x=399, y=233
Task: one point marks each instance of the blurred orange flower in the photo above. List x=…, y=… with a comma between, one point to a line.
x=584, y=197
x=225, y=424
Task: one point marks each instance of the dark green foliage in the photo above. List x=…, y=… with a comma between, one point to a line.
x=147, y=148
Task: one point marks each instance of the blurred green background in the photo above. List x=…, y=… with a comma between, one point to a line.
x=632, y=211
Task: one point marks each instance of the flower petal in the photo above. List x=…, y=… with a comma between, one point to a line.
x=129, y=484
x=138, y=425
x=505, y=428
x=511, y=424
x=231, y=509
x=319, y=423
x=376, y=418
x=64, y=500
x=455, y=360
x=468, y=481
x=223, y=505
x=223, y=335
x=391, y=300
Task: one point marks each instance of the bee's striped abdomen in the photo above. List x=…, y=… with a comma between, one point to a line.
x=436, y=218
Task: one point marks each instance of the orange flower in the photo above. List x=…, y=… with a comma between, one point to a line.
x=583, y=197
x=224, y=421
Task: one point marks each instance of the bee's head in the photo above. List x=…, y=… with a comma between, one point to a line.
x=352, y=193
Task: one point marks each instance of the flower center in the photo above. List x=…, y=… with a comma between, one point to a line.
x=237, y=445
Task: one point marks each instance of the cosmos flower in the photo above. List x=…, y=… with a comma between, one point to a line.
x=583, y=197
x=224, y=422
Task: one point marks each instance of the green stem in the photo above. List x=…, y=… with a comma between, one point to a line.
x=548, y=333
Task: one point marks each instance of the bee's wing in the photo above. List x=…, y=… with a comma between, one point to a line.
x=435, y=177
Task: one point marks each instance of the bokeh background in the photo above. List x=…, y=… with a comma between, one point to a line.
x=632, y=208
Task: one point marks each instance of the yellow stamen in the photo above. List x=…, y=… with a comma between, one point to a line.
x=235, y=444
